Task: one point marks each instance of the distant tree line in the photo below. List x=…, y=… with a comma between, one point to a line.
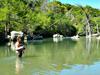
x=46, y=18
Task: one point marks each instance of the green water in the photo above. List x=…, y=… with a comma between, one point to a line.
x=66, y=57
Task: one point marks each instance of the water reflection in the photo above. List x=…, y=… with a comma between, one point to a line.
x=48, y=58
x=19, y=65
x=86, y=70
x=11, y=45
x=98, y=41
x=88, y=45
x=57, y=39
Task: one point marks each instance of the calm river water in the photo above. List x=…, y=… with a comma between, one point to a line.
x=45, y=57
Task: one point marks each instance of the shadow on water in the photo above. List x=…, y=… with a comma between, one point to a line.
x=2, y=43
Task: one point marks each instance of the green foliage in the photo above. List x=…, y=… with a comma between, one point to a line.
x=55, y=17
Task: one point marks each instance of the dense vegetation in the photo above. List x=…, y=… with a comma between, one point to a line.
x=46, y=18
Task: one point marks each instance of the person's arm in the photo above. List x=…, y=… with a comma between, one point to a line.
x=17, y=45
